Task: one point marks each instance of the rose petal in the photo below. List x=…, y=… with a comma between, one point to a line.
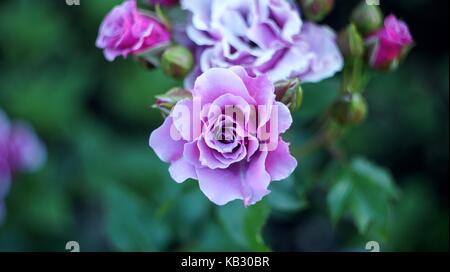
x=257, y=179
x=163, y=143
x=327, y=58
x=279, y=163
x=218, y=81
x=182, y=118
x=220, y=185
x=284, y=117
x=182, y=170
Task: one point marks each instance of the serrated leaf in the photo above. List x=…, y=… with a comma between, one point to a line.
x=364, y=191
x=361, y=210
x=338, y=198
x=375, y=175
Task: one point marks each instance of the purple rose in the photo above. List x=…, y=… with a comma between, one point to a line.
x=20, y=150
x=227, y=136
x=125, y=30
x=263, y=36
x=389, y=43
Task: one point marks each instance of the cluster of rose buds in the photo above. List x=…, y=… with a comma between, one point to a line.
x=367, y=41
x=243, y=62
x=20, y=151
x=385, y=43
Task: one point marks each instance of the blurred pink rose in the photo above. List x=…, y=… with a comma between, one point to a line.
x=20, y=151
x=389, y=43
x=125, y=30
x=228, y=136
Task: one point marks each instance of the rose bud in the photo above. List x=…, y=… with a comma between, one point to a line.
x=165, y=102
x=177, y=61
x=350, y=109
x=351, y=43
x=389, y=45
x=316, y=10
x=367, y=18
x=290, y=93
x=127, y=31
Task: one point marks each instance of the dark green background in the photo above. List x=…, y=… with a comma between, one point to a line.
x=103, y=187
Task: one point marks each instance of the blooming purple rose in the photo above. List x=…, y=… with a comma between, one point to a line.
x=126, y=30
x=164, y=3
x=389, y=43
x=227, y=136
x=20, y=150
x=263, y=36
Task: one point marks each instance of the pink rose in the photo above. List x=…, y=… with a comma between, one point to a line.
x=126, y=31
x=389, y=43
x=227, y=136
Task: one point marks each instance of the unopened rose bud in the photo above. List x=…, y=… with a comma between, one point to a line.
x=177, y=61
x=350, y=109
x=389, y=45
x=351, y=43
x=165, y=102
x=316, y=10
x=367, y=18
x=290, y=93
x=358, y=109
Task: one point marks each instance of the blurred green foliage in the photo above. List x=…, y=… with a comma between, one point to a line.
x=105, y=188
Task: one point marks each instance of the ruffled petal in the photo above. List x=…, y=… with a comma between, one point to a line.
x=167, y=142
x=182, y=170
x=218, y=81
x=280, y=163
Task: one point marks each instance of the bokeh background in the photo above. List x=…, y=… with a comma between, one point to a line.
x=105, y=188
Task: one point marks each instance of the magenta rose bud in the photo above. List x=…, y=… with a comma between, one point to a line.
x=389, y=44
x=164, y=3
x=228, y=136
x=126, y=30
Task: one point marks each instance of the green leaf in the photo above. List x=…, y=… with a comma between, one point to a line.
x=365, y=191
x=338, y=198
x=374, y=175
x=285, y=197
x=130, y=225
x=244, y=225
